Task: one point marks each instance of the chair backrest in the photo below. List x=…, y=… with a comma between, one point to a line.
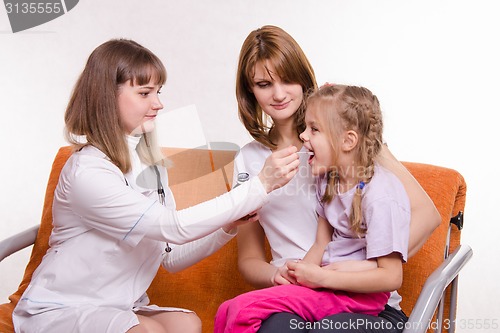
x=198, y=175
x=41, y=243
x=447, y=189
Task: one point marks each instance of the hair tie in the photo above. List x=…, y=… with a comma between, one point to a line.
x=361, y=185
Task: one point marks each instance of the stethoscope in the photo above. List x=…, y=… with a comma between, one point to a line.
x=241, y=178
x=161, y=196
x=160, y=190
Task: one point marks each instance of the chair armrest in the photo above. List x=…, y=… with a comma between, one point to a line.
x=433, y=289
x=18, y=242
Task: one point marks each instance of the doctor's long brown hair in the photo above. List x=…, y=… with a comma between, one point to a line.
x=93, y=108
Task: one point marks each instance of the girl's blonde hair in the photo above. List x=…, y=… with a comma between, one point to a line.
x=345, y=108
x=273, y=44
x=93, y=112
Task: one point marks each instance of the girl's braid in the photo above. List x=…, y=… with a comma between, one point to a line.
x=367, y=117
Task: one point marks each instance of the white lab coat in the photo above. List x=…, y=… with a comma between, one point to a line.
x=109, y=239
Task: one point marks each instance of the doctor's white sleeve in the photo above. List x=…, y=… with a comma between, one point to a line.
x=185, y=255
x=104, y=202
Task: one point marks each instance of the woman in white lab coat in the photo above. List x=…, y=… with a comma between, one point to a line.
x=114, y=215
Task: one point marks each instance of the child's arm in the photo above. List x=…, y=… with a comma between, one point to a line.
x=313, y=256
x=424, y=215
x=352, y=265
x=323, y=237
x=387, y=276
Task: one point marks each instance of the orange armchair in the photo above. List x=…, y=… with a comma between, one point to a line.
x=199, y=174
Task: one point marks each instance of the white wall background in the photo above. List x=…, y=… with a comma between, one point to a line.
x=433, y=64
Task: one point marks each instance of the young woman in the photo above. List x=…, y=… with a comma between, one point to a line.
x=273, y=77
x=111, y=230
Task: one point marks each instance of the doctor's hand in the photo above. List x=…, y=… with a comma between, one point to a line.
x=252, y=217
x=279, y=168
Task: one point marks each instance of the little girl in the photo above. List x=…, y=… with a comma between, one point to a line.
x=363, y=226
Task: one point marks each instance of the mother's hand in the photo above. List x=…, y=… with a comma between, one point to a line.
x=281, y=276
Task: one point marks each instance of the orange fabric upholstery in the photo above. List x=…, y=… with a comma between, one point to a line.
x=198, y=175
x=447, y=189
x=41, y=244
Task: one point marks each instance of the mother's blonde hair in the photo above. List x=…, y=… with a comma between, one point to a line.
x=93, y=112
